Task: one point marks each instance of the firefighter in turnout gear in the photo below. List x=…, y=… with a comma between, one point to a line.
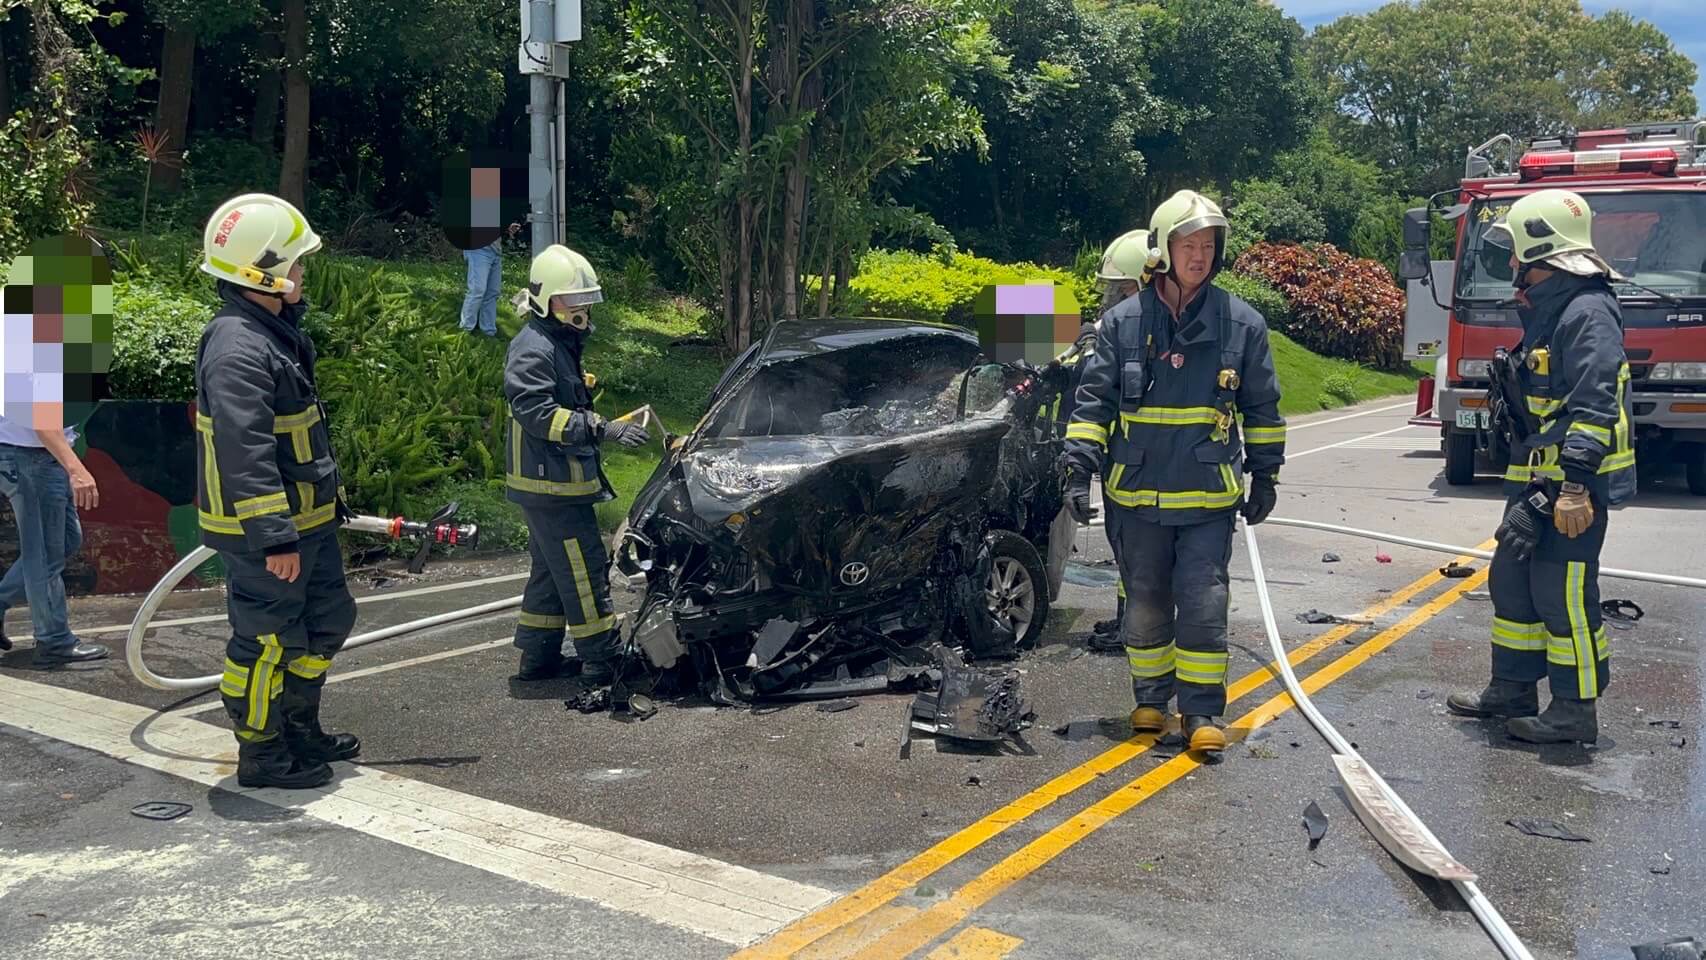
x=1179, y=397
x=1561, y=400
x=269, y=497
x=553, y=471
x=1123, y=274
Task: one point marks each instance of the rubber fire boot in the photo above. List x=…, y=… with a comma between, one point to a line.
x=597, y=673
x=1204, y=735
x=1502, y=698
x=5, y=644
x=540, y=666
x=269, y=764
x=302, y=734
x=1148, y=718
x=1565, y=721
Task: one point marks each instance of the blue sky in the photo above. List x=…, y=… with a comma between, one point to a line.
x=1681, y=20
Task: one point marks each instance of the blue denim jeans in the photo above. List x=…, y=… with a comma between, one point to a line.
x=485, y=278
x=48, y=533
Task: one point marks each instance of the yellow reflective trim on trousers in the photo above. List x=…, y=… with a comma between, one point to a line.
x=542, y=621
x=583, y=587
x=261, y=506
x=559, y=423
x=1092, y=432
x=310, y=667
x=1575, y=599
x=1525, y=637
x=1120, y=588
x=593, y=628
x=1198, y=666
x=234, y=682
x=263, y=684
x=1264, y=434
x=1147, y=663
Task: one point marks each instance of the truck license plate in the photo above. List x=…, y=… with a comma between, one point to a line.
x=1466, y=419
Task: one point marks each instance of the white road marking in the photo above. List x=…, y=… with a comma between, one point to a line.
x=728, y=903
x=1289, y=456
x=372, y=598
x=1366, y=413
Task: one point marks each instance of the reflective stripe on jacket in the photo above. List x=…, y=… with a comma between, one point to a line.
x=1575, y=379
x=551, y=456
x=1160, y=421
x=265, y=474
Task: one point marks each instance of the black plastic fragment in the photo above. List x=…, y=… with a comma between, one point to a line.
x=1315, y=822
x=1622, y=611
x=1672, y=724
x=1329, y=557
x=837, y=706
x=1316, y=616
x=1455, y=571
x=1550, y=829
x=1679, y=948
x=160, y=810
x=590, y=701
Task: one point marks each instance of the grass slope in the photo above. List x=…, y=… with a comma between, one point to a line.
x=1302, y=376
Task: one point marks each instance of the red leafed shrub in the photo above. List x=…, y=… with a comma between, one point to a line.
x=1341, y=306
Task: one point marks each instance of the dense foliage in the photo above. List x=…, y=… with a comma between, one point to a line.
x=1341, y=305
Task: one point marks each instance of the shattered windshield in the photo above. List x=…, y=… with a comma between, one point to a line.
x=1658, y=240
x=882, y=389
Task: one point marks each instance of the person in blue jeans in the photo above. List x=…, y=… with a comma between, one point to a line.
x=485, y=278
x=46, y=483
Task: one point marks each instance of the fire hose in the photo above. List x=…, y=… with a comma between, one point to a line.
x=440, y=529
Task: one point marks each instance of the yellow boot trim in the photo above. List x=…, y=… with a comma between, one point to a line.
x=1148, y=720
x=1208, y=738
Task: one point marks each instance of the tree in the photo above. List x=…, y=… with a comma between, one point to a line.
x=1233, y=91
x=293, y=175
x=1332, y=183
x=1263, y=210
x=1415, y=86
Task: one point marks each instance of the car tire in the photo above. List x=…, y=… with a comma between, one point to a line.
x=1459, y=458
x=1017, y=576
x=1697, y=474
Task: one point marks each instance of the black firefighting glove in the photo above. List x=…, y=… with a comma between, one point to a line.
x=1259, y=502
x=1076, y=484
x=627, y=433
x=1520, y=531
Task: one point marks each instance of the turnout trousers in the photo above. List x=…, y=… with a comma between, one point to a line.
x=1546, y=614
x=1174, y=629
x=568, y=588
x=283, y=636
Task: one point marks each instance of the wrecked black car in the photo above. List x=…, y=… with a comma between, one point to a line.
x=861, y=497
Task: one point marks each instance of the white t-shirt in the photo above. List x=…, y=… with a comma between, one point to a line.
x=23, y=435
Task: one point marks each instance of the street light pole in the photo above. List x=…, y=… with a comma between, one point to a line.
x=547, y=27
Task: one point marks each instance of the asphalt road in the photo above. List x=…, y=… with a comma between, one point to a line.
x=485, y=820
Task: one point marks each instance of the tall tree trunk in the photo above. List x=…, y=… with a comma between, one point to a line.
x=5, y=79
x=263, y=124
x=293, y=175
x=172, y=117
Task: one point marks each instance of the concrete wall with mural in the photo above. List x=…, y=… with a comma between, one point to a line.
x=142, y=455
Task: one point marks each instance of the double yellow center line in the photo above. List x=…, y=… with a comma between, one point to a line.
x=923, y=928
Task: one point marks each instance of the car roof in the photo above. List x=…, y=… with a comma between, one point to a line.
x=790, y=339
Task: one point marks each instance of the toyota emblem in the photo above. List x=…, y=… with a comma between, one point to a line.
x=854, y=574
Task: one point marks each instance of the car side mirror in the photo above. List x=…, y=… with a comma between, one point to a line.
x=1417, y=228
x=1414, y=265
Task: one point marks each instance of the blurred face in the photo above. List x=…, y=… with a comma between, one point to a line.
x=1192, y=257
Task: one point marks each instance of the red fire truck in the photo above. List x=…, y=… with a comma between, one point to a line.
x=1647, y=187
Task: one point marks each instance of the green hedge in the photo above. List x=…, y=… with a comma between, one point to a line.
x=155, y=333
x=916, y=286
x=1270, y=303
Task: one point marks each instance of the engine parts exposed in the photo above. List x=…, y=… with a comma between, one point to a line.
x=860, y=496
x=973, y=706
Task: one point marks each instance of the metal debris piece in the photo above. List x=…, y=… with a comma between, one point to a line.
x=1330, y=557
x=1679, y=742
x=590, y=701
x=1455, y=571
x=974, y=781
x=1680, y=948
x=837, y=706
x=641, y=707
x=1424, y=694
x=1316, y=616
x=1550, y=829
x=1315, y=822
x=973, y=705
x=1477, y=595
x=160, y=810
x=1672, y=724
x=1621, y=611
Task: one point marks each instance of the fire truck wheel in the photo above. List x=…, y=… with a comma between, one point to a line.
x=1697, y=476
x=1459, y=458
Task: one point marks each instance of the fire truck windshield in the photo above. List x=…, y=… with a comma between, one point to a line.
x=1655, y=238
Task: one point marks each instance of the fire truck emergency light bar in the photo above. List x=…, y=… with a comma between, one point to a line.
x=1657, y=160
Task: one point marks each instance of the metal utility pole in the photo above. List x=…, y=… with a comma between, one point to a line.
x=547, y=28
